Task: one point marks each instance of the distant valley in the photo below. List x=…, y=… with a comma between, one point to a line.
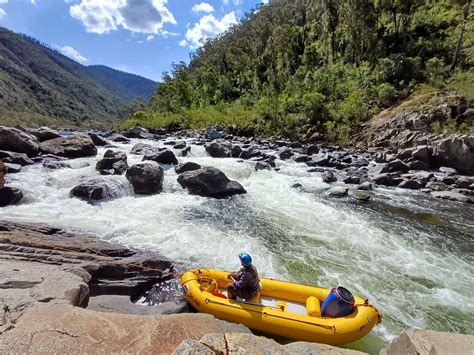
x=40, y=86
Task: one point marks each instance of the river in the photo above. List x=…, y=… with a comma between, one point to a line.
x=410, y=255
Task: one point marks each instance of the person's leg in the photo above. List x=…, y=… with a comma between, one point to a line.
x=231, y=292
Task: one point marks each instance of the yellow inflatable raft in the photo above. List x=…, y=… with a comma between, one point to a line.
x=283, y=309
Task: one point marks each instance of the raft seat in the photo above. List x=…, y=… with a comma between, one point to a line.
x=313, y=307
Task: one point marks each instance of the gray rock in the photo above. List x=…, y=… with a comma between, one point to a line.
x=360, y=196
x=418, y=165
x=179, y=145
x=15, y=158
x=44, y=133
x=422, y=153
x=457, y=153
x=141, y=148
x=351, y=180
x=312, y=149
x=118, y=138
x=262, y=165
x=136, y=132
x=448, y=170
x=98, y=140
x=329, y=177
x=250, y=152
x=15, y=140
x=10, y=196
x=462, y=182
x=300, y=158
x=218, y=150
x=146, y=178
x=285, y=153
x=295, y=145
x=425, y=342
x=188, y=166
x=95, y=190
x=411, y=184
x=162, y=157
x=436, y=186
x=338, y=191
x=12, y=168
x=70, y=147
x=209, y=182
x=452, y=196
x=365, y=186
x=383, y=179
x=113, y=163
x=236, y=151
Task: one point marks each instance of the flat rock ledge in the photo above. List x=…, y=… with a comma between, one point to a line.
x=429, y=342
x=58, y=328
x=243, y=343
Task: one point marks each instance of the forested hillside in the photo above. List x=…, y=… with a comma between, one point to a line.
x=304, y=67
x=126, y=86
x=40, y=86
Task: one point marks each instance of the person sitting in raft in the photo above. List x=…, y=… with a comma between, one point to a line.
x=245, y=283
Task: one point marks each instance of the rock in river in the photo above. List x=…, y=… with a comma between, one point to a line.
x=70, y=147
x=452, y=196
x=95, y=190
x=44, y=133
x=188, y=166
x=14, y=140
x=338, y=191
x=113, y=163
x=9, y=195
x=218, y=150
x=3, y=172
x=162, y=157
x=209, y=182
x=329, y=177
x=146, y=178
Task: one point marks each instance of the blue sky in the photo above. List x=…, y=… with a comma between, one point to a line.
x=138, y=36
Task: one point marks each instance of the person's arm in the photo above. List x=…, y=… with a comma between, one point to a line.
x=244, y=280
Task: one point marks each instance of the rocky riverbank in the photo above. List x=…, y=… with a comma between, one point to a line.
x=50, y=277
x=441, y=168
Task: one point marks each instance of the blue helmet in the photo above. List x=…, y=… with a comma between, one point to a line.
x=245, y=259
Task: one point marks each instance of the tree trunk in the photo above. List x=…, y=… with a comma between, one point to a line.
x=461, y=35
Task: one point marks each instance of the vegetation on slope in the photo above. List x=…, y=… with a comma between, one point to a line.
x=38, y=86
x=301, y=67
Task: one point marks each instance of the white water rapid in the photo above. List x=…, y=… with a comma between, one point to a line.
x=410, y=255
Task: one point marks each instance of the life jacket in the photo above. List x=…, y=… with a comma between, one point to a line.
x=255, y=286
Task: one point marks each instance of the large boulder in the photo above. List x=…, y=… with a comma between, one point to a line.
x=425, y=342
x=96, y=190
x=188, y=166
x=209, y=182
x=10, y=196
x=218, y=150
x=244, y=343
x=136, y=132
x=141, y=148
x=70, y=147
x=98, y=140
x=146, y=178
x=457, y=153
x=61, y=328
x=113, y=163
x=165, y=156
x=15, y=140
x=44, y=133
x=15, y=158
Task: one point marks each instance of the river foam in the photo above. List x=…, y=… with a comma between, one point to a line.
x=410, y=255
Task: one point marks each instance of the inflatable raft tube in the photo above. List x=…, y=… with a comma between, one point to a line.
x=282, y=309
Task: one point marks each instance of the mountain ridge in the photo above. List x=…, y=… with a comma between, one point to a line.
x=39, y=85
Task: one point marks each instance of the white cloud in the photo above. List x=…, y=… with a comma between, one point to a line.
x=103, y=16
x=150, y=37
x=70, y=52
x=3, y=1
x=235, y=2
x=33, y=2
x=183, y=43
x=3, y=13
x=203, y=7
x=207, y=27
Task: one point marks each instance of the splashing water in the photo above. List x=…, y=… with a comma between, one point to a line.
x=409, y=254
